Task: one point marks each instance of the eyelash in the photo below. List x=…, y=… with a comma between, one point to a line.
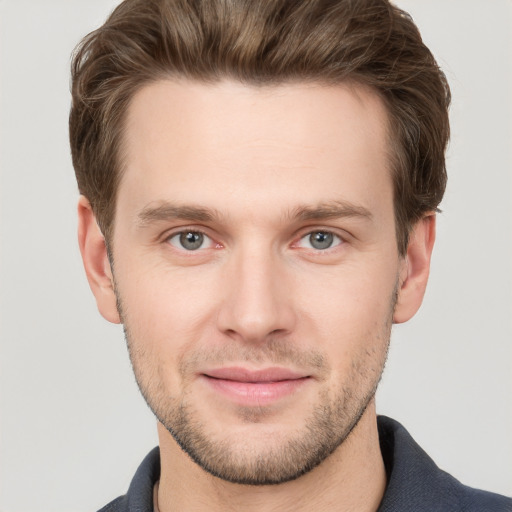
x=190, y=231
x=336, y=240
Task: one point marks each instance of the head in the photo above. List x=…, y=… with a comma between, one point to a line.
x=261, y=43
x=264, y=177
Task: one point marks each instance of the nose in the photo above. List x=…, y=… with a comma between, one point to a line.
x=257, y=300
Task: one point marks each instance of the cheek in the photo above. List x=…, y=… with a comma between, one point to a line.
x=165, y=314
x=355, y=298
x=152, y=292
x=350, y=318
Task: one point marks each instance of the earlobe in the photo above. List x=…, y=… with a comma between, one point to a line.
x=415, y=269
x=96, y=262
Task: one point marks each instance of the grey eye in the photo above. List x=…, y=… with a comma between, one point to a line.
x=189, y=240
x=321, y=239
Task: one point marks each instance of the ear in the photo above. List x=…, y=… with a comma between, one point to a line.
x=415, y=269
x=96, y=262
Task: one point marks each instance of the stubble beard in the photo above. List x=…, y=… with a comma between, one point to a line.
x=329, y=424
x=325, y=430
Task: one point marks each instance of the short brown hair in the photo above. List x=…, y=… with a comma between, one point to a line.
x=369, y=42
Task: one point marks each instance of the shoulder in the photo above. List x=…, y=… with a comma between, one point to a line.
x=139, y=497
x=416, y=483
x=118, y=505
x=475, y=500
x=462, y=498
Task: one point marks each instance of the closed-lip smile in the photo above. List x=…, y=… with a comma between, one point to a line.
x=254, y=387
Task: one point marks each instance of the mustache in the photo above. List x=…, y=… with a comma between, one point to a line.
x=272, y=352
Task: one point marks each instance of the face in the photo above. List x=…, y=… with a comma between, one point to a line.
x=256, y=268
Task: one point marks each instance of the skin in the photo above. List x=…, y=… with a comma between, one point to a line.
x=256, y=171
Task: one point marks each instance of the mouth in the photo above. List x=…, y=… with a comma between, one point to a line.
x=254, y=387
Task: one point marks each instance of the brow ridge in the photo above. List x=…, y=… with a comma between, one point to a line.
x=164, y=211
x=329, y=210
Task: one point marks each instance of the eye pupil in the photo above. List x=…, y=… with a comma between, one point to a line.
x=321, y=239
x=191, y=240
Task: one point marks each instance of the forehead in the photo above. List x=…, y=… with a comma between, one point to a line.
x=216, y=143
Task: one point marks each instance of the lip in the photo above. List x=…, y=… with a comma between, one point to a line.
x=254, y=387
x=235, y=373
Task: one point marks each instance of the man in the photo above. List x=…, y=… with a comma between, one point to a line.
x=259, y=185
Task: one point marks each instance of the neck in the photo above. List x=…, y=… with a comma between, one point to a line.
x=352, y=478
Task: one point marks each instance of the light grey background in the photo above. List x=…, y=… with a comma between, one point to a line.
x=73, y=426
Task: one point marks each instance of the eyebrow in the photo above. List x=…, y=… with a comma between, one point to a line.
x=331, y=210
x=165, y=211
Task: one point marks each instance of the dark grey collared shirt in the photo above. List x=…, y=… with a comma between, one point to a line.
x=415, y=483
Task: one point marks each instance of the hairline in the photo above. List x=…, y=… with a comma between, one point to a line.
x=392, y=148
